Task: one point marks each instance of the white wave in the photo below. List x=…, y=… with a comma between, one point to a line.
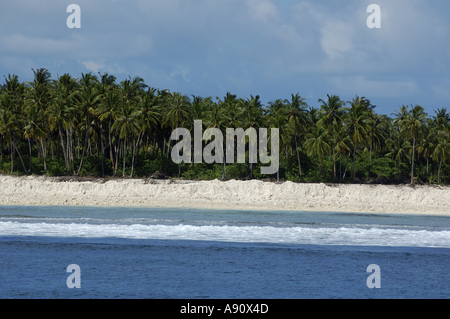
x=293, y=235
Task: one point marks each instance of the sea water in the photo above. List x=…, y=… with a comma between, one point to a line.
x=222, y=254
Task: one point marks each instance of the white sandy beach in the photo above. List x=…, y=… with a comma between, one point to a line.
x=253, y=195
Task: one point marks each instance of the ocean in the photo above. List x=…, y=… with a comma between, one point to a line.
x=171, y=253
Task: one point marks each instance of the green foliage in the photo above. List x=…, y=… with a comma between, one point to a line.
x=238, y=171
x=73, y=121
x=203, y=171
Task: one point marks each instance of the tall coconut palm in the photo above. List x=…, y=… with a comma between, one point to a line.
x=214, y=119
x=331, y=112
x=296, y=113
x=178, y=111
x=398, y=150
x=89, y=98
x=441, y=150
x=441, y=134
x=11, y=124
x=357, y=123
x=377, y=133
x=412, y=126
x=341, y=144
x=317, y=144
x=279, y=121
x=427, y=141
x=150, y=115
x=61, y=112
x=106, y=111
x=251, y=114
x=126, y=125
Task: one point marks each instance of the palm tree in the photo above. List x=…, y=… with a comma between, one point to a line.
x=251, y=114
x=317, y=144
x=89, y=97
x=279, y=121
x=178, y=107
x=331, y=111
x=398, y=150
x=214, y=119
x=150, y=115
x=441, y=150
x=412, y=126
x=106, y=112
x=331, y=118
x=60, y=111
x=229, y=110
x=38, y=96
x=298, y=121
x=126, y=125
x=377, y=133
x=11, y=124
x=427, y=142
x=441, y=132
x=341, y=144
x=107, y=82
x=16, y=91
x=357, y=123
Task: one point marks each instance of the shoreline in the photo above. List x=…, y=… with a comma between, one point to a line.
x=232, y=194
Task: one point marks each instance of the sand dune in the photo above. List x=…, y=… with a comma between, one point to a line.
x=39, y=190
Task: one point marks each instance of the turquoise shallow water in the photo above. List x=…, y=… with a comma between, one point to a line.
x=189, y=253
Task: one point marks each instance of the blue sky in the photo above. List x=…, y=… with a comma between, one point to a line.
x=269, y=48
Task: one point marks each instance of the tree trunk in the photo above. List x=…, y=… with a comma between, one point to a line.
x=88, y=128
x=439, y=171
x=44, y=154
x=23, y=164
x=138, y=147
x=64, y=150
x=110, y=146
x=346, y=166
x=124, y=154
x=103, y=149
x=224, y=168
x=116, y=148
x=412, y=162
x=334, y=162
x=11, y=156
x=353, y=167
x=29, y=150
x=298, y=159
x=132, y=157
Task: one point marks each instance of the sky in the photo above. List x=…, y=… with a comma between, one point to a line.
x=270, y=48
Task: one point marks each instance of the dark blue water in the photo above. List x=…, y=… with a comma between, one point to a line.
x=176, y=253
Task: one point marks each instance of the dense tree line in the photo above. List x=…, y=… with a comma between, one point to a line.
x=95, y=126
